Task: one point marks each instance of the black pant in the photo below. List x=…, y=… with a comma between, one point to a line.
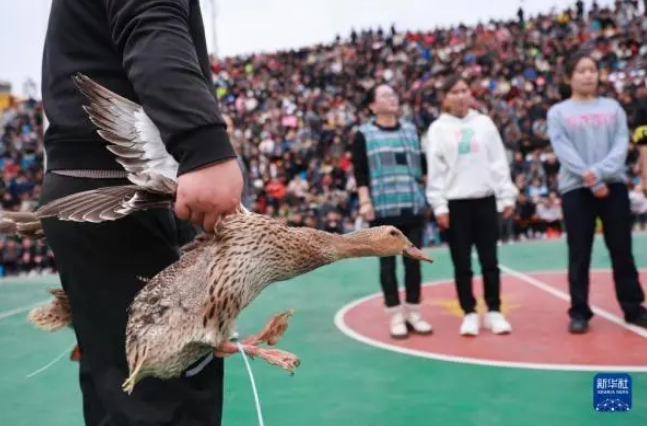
x=475, y=222
x=414, y=231
x=581, y=209
x=99, y=265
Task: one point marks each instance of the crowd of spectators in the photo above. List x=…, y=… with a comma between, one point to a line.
x=294, y=114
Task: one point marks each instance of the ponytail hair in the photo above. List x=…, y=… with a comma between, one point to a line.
x=565, y=91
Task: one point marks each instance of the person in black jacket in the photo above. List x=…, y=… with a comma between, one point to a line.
x=640, y=139
x=154, y=53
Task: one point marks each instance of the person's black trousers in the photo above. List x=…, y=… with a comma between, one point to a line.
x=581, y=208
x=475, y=222
x=414, y=231
x=99, y=265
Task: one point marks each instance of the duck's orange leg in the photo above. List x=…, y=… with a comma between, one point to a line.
x=270, y=334
x=283, y=359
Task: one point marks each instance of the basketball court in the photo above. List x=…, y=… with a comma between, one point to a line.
x=353, y=373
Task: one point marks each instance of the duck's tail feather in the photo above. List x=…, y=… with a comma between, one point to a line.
x=53, y=315
x=135, y=367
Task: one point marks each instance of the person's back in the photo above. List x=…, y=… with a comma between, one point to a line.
x=154, y=53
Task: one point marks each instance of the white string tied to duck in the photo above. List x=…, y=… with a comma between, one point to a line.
x=257, y=402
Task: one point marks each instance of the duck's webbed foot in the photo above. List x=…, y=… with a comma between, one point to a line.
x=270, y=334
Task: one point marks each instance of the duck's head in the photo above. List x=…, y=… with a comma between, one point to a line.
x=390, y=241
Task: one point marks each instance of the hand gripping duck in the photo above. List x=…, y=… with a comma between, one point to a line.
x=188, y=309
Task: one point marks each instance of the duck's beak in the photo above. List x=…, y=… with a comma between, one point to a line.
x=415, y=253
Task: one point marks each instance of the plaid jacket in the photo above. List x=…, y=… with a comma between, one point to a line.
x=394, y=159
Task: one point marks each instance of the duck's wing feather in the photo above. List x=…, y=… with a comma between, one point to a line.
x=104, y=204
x=131, y=135
x=138, y=146
x=136, y=142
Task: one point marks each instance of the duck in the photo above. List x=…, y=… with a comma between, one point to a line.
x=188, y=310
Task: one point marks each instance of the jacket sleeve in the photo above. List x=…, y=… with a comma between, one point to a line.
x=161, y=62
x=436, y=170
x=360, y=160
x=506, y=191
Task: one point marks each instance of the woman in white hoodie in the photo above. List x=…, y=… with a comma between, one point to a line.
x=468, y=173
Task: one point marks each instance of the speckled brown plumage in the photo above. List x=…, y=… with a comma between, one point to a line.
x=188, y=309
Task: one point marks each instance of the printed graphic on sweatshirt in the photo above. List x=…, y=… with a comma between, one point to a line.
x=466, y=142
x=592, y=119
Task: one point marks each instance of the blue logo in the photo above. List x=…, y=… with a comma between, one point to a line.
x=612, y=392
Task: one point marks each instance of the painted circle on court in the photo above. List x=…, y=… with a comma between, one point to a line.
x=536, y=305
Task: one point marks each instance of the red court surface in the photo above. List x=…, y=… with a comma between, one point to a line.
x=536, y=305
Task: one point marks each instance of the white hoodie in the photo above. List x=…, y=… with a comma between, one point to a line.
x=466, y=159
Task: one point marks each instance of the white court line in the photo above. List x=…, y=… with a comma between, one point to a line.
x=51, y=363
x=21, y=309
x=340, y=323
x=567, y=298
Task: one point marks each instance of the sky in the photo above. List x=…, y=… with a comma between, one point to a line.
x=245, y=26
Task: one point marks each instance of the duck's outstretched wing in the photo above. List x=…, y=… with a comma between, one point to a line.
x=132, y=137
x=136, y=142
x=104, y=204
x=138, y=146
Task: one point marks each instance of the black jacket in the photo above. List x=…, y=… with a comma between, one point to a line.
x=150, y=51
x=640, y=124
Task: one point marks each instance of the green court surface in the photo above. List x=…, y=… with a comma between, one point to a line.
x=342, y=380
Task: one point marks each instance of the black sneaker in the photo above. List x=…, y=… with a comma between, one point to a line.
x=578, y=326
x=640, y=320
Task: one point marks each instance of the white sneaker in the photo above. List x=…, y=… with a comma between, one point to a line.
x=497, y=323
x=398, y=325
x=415, y=321
x=470, y=325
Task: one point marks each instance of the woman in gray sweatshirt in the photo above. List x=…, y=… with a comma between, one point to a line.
x=590, y=137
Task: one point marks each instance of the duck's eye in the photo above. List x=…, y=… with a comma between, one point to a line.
x=393, y=233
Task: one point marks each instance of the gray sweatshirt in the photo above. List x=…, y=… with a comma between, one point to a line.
x=589, y=135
